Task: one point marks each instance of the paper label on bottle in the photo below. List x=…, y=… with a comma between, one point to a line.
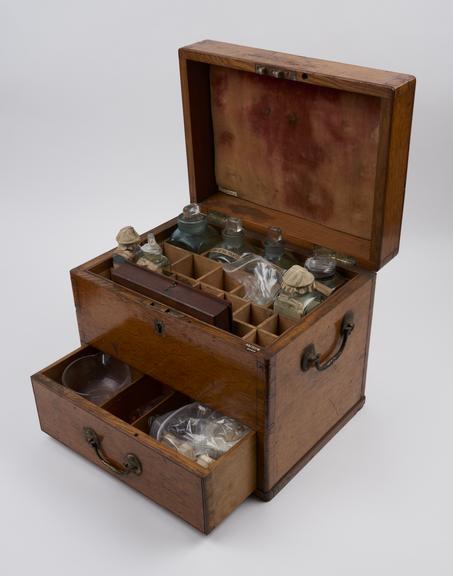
x=224, y=252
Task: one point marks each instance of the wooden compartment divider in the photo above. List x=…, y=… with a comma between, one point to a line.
x=252, y=323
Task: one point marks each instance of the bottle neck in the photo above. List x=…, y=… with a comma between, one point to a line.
x=235, y=240
x=273, y=250
x=196, y=228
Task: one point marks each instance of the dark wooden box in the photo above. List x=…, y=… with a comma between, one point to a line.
x=317, y=148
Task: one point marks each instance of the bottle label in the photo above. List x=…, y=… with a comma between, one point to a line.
x=224, y=252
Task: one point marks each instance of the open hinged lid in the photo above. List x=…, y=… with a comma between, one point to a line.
x=318, y=148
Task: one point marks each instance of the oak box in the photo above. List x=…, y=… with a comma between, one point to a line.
x=317, y=148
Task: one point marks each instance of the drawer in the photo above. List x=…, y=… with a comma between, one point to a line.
x=203, y=497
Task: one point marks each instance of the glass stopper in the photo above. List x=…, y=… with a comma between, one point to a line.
x=274, y=235
x=233, y=225
x=322, y=261
x=152, y=246
x=191, y=212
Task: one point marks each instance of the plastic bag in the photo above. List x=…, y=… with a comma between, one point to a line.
x=260, y=278
x=197, y=432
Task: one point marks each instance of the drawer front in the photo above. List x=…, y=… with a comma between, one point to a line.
x=308, y=407
x=201, y=497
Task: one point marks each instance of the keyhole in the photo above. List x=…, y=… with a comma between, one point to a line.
x=159, y=327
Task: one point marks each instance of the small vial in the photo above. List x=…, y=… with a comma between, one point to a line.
x=274, y=249
x=153, y=253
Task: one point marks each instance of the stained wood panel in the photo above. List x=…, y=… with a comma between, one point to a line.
x=304, y=150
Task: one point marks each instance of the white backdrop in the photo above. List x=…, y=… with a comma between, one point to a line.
x=91, y=139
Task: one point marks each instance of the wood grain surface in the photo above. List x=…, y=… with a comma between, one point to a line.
x=328, y=148
x=200, y=496
x=312, y=70
x=304, y=150
x=304, y=406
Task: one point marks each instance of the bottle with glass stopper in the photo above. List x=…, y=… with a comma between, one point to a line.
x=152, y=255
x=274, y=249
x=323, y=265
x=298, y=295
x=193, y=232
x=233, y=244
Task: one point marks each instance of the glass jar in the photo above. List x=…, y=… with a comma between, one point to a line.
x=193, y=232
x=297, y=296
x=323, y=265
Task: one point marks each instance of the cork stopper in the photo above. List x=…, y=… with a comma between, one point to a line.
x=297, y=280
x=127, y=236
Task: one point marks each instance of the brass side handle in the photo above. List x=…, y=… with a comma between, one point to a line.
x=131, y=464
x=310, y=358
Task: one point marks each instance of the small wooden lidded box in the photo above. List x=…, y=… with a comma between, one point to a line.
x=317, y=148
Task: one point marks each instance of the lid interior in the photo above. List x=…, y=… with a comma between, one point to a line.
x=308, y=157
x=306, y=150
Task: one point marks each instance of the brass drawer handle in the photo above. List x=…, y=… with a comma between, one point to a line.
x=131, y=463
x=311, y=358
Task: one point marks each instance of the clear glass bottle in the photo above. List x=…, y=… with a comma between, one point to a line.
x=274, y=249
x=193, y=232
x=297, y=296
x=152, y=252
x=323, y=265
x=233, y=244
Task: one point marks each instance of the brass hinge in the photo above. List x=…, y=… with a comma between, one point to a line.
x=275, y=72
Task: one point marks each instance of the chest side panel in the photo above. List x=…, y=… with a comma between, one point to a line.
x=307, y=405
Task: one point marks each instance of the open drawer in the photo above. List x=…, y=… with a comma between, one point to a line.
x=114, y=436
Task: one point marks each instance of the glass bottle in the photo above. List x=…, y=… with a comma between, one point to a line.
x=193, y=232
x=274, y=249
x=297, y=296
x=128, y=249
x=233, y=244
x=323, y=265
x=217, y=218
x=152, y=252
